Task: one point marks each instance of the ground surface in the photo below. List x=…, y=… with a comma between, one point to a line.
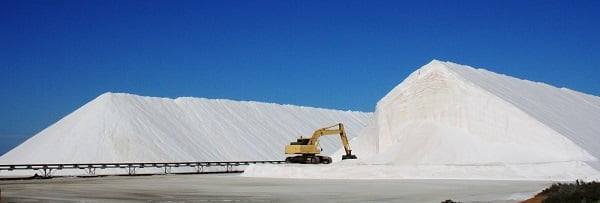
x=191, y=188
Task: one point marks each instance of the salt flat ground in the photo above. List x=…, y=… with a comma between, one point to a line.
x=232, y=187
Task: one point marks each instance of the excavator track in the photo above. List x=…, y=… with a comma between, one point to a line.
x=308, y=159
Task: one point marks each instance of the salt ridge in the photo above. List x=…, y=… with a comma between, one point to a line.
x=118, y=127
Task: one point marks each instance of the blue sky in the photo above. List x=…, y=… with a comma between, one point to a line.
x=55, y=56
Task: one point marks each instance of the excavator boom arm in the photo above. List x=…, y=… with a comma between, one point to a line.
x=314, y=140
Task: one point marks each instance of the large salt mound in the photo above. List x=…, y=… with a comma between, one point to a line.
x=127, y=128
x=442, y=115
x=452, y=121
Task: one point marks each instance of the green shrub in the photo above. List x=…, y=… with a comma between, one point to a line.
x=579, y=191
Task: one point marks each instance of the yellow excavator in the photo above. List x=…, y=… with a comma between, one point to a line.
x=308, y=148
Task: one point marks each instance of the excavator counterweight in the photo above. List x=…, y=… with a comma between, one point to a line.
x=308, y=148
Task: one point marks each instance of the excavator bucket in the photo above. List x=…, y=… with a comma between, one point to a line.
x=348, y=155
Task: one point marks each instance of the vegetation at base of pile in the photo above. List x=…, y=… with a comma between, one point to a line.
x=579, y=191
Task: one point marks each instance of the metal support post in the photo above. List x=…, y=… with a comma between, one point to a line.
x=91, y=171
x=131, y=170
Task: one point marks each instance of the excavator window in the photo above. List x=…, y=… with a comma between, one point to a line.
x=301, y=141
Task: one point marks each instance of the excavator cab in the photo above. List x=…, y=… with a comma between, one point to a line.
x=301, y=141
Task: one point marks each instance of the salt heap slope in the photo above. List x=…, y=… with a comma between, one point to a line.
x=450, y=121
x=445, y=113
x=119, y=127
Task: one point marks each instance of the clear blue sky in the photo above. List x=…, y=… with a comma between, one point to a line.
x=57, y=55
